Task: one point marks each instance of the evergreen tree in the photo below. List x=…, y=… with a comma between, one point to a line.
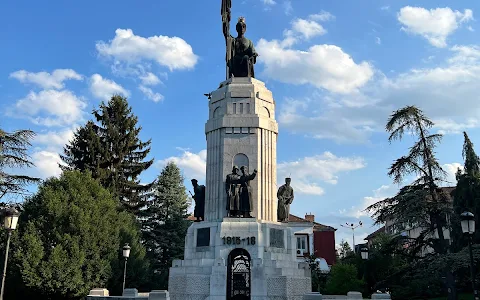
x=467, y=193
x=69, y=239
x=423, y=202
x=84, y=151
x=112, y=150
x=164, y=224
x=13, y=154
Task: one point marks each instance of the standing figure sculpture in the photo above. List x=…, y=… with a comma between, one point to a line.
x=244, y=55
x=240, y=51
x=199, y=197
x=232, y=187
x=285, y=198
x=246, y=200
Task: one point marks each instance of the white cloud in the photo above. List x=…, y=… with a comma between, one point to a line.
x=323, y=16
x=149, y=79
x=436, y=90
x=385, y=191
x=287, y=7
x=171, y=52
x=451, y=170
x=386, y=7
x=465, y=54
x=50, y=107
x=307, y=172
x=55, y=139
x=46, y=164
x=323, y=66
x=194, y=165
x=308, y=28
x=269, y=2
x=46, y=80
x=104, y=89
x=378, y=41
x=155, y=97
x=435, y=25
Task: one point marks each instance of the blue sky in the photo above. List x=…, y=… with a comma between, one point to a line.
x=337, y=69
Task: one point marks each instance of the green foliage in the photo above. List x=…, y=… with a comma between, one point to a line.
x=164, y=223
x=467, y=194
x=343, y=279
x=70, y=235
x=13, y=154
x=345, y=250
x=319, y=278
x=422, y=204
x=112, y=150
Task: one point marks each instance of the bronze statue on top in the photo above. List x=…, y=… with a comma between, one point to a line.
x=240, y=53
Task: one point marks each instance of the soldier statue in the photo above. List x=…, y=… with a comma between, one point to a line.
x=199, y=197
x=232, y=187
x=246, y=199
x=285, y=198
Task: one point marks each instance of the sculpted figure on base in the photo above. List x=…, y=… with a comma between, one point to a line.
x=285, y=198
x=246, y=200
x=199, y=197
x=239, y=192
x=232, y=187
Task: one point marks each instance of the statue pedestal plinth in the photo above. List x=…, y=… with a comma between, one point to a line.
x=239, y=255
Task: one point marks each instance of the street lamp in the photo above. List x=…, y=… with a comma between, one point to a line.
x=353, y=227
x=10, y=223
x=364, y=252
x=468, y=228
x=126, y=254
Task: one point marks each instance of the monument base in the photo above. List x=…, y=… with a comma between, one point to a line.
x=239, y=256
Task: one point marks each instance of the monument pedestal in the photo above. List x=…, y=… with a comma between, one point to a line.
x=239, y=257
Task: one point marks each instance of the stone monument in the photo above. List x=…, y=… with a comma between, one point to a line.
x=240, y=251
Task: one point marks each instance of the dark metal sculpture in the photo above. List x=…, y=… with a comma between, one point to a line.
x=246, y=199
x=232, y=187
x=199, y=197
x=240, y=51
x=285, y=198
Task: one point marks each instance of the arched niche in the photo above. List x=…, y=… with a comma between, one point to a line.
x=266, y=111
x=241, y=160
x=217, y=112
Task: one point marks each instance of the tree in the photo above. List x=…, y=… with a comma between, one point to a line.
x=343, y=279
x=423, y=202
x=70, y=237
x=467, y=193
x=13, y=154
x=164, y=223
x=112, y=150
x=345, y=250
x=84, y=151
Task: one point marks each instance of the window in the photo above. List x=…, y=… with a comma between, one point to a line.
x=302, y=244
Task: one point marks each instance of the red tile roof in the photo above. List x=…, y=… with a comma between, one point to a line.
x=316, y=226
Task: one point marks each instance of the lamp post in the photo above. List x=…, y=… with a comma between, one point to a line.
x=126, y=254
x=352, y=227
x=364, y=254
x=10, y=223
x=468, y=228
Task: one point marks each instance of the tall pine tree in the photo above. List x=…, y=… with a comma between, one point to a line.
x=112, y=150
x=84, y=151
x=467, y=192
x=165, y=224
